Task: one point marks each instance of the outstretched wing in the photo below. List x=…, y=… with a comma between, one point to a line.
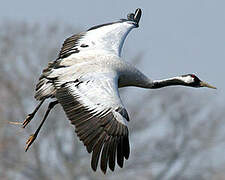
x=104, y=38
x=93, y=105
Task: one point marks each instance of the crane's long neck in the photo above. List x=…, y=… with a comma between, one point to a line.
x=130, y=76
x=155, y=84
x=136, y=78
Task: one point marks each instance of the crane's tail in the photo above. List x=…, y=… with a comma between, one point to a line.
x=44, y=89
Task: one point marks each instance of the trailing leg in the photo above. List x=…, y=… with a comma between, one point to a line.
x=33, y=136
x=31, y=115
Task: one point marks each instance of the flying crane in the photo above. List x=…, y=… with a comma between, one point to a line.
x=84, y=80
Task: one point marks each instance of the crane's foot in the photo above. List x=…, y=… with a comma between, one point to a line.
x=30, y=141
x=27, y=120
x=15, y=123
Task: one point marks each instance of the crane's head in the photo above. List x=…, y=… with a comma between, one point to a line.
x=193, y=81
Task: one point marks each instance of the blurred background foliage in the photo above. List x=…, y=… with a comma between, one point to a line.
x=175, y=133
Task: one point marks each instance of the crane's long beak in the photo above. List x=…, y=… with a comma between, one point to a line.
x=204, y=84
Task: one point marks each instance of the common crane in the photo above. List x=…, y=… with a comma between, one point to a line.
x=85, y=79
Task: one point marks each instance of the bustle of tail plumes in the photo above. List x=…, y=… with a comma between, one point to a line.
x=45, y=88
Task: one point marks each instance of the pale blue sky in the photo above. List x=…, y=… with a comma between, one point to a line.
x=176, y=36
